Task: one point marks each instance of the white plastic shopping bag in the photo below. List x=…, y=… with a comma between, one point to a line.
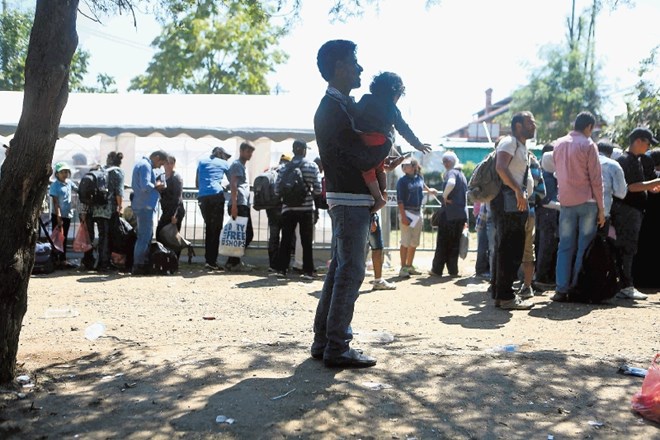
x=464, y=243
x=233, y=236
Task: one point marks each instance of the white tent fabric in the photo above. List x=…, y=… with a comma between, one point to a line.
x=250, y=117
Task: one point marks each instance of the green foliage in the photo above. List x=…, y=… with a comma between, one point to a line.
x=468, y=169
x=208, y=52
x=643, y=106
x=15, y=28
x=566, y=84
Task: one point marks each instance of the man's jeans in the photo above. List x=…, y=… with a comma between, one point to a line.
x=305, y=221
x=213, y=212
x=485, y=248
x=145, y=231
x=577, y=228
x=334, y=313
x=547, y=223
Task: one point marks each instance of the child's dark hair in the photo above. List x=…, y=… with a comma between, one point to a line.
x=387, y=84
x=114, y=158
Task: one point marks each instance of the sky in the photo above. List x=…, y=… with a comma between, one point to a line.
x=447, y=55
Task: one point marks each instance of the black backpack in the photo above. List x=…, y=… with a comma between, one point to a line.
x=597, y=280
x=293, y=188
x=264, y=191
x=93, y=188
x=162, y=260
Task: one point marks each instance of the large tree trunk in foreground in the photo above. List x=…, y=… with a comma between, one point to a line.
x=26, y=170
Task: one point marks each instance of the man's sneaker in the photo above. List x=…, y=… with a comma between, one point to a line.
x=525, y=292
x=277, y=274
x=543, y=287
x=209, y=266
x=404, y=273
x=308, y=276
x=412, y=270
x=515, y=304
x=239, y=268
x=434, y=274
x=631, y=293
x=383, y=285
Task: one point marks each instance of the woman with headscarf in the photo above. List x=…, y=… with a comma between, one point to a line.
x=452, y=218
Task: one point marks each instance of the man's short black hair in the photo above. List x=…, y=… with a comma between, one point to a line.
x=519, y=118
x=247, y=146
x=331, y=52
x=606, y=147
x=299, y=146
x=161, y=154
x=547, y=147
x=583, y=120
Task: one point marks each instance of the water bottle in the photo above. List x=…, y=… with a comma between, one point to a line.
x=632, y=371
x=94, y=331
x=509, y=348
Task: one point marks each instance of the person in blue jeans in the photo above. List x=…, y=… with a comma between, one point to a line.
x=344, y=155
x=146, y=192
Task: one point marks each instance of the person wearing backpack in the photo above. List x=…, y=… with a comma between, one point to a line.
x=274, y=214
x=102, y=213
x=211, y=199
x=146, y=190
x=299, y=177
x=510, y=211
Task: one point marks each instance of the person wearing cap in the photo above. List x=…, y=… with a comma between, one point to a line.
x=146, y=192
x=628, y=212
x=62, y=213
x=580, y=184
x=649, y=239
x=239, y=203
x=211, y=199
x=301, y=216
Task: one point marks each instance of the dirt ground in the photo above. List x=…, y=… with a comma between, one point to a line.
x=179, y=351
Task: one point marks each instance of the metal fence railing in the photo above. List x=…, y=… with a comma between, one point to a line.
x=193, y=225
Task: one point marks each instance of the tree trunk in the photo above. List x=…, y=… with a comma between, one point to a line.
x=27, y=168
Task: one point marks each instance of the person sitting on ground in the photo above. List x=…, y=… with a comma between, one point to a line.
x=376, y=113
x=60, y=192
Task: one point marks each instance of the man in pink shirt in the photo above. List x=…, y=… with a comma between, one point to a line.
x=580, y=185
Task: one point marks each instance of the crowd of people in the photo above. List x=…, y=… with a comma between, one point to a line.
x=536, y=229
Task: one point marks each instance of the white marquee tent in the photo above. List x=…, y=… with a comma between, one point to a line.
x=187, y=126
